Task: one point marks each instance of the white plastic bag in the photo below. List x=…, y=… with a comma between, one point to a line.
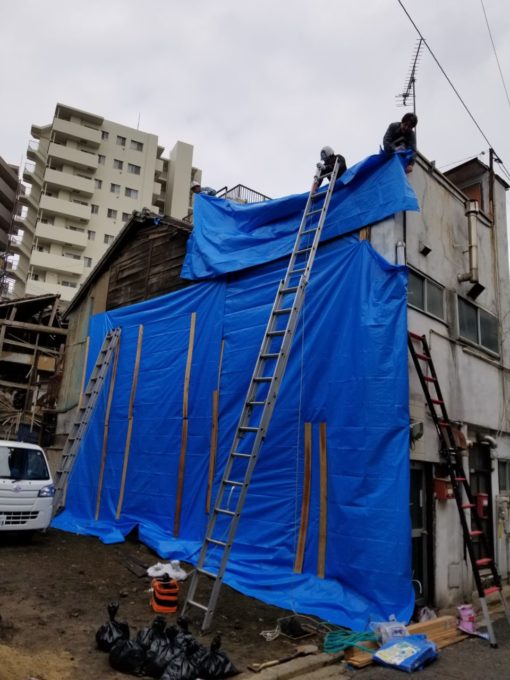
x=171, y=569
x=388, y=630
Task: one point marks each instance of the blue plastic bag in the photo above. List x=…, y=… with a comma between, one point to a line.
x=408, y=654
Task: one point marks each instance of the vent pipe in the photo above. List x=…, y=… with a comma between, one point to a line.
x=471, y=214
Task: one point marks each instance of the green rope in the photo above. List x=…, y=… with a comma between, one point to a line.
x=340, y=640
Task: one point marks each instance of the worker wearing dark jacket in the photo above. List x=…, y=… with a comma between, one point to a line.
x=326, y=165
x=401, y=136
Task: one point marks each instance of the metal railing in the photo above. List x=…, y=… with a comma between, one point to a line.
x=239, y=194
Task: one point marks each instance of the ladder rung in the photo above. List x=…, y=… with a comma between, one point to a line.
x=460, y=479
x=491, y=590
x=238, y=454
x=247, y=428
x=415, y=336
x=290, y=289
x=303, y=250
x=276, y=332
x=255, y=403
x=468, y=506
x=428, y=378
x=300, y=270
x=222, y=511
x=483, y=561
x=312, y=212
x=203, y=571
x=193, y=603
x=230, y=482
x=263, y=378
x=216, y=541
x=437, y=401
x=443, y=423
x=286, y=310
x=270, y=355
x=476, y=532
x=423, y=357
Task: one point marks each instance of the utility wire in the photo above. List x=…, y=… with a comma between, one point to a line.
x=502, y=166
x=495, y=53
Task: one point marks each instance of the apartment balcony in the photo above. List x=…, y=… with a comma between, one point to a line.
x=56, y=263
x=5, y=218
x=41, y=288
x=34, y=152
x=21, y=246
x=25, y=221
x=30, y=197
x=19, y=270
x=66, y=129
x=55, y=179
x=59, y=206
x=66, y=154
x=7, y=193
x=32, y=175
x=49, y=234
x=4, y=240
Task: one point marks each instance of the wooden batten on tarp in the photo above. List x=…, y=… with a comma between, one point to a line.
x=184, y=435
x=130, y=420
x=305, y=502
x=214, y=433
x=323, y=500
x=106, y=429
x=84, y=369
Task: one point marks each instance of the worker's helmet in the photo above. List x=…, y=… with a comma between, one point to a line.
x=195, y=185
x=326, y=152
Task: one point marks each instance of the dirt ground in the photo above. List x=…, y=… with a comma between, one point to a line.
x=53, y=596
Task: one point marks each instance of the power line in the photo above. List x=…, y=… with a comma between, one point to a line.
x=495, y=53
x=451, y=84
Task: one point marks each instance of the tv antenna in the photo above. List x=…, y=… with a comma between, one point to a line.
x=410, y=85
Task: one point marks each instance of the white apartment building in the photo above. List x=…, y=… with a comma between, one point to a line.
x=86, y=176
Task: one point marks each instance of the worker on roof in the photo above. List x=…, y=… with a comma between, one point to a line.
x=325, y=166
x=197, y=188
x=400, y=136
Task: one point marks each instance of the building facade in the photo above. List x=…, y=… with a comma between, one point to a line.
x=9, y=194
x=459, y=298
x=86, y=176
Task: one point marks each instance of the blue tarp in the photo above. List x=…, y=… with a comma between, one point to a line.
x=347, y=368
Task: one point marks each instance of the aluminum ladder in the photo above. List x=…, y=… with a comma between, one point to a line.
x=485, y=572
x=260, y=401
x=85, y=410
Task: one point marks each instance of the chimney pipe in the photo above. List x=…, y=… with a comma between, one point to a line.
x=471, y=213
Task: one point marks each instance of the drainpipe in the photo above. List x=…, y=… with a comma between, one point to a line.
x=471, y=213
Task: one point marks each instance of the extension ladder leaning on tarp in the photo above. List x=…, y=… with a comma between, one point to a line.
x=260, y=401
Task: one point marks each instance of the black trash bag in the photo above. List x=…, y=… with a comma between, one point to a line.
x=183, y=634
x=161, y=652
x=156, y=630
x=182, y=665
x=127, y=656
x=215, y=664
x=112, y=631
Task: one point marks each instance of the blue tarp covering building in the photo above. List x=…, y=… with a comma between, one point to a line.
x=347, y=369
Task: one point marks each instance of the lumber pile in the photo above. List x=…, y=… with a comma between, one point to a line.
x=443, y=631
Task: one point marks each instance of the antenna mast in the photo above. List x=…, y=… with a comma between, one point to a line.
x=410, y=85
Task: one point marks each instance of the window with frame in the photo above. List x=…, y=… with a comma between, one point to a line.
x=91, y=235
x=131, y=193
x=115, y=188
x=125, y=216
x=94, y=209
x=478, y=326
x=101, y=159
x=117, y=164
x=425, y=294
x=108, y=238
x=504, y=475
x=121, y=141
x=104, y=135
x=73, y=256
x=69, y=284
x=136, y=146
x=134, y=169
x=98, y=183
x=87, y=261
x=112, y=214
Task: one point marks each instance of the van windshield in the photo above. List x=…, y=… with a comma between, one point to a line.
x=20, y=463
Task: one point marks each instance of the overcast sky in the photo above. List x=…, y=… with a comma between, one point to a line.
x=259, y=86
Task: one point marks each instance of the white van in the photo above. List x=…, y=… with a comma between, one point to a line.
x=26, y=487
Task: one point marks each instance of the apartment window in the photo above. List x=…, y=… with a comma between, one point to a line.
x=424, y=294
x=136, y=146
x=131, y=193
x=87, y=261
x=108, y=238
x=104, y=134
x=48, y=220
x=115, y=188
x=125, y=216
x=134, y=169
x=504, y=475
x=73, y=256
x=94, y=209
x=112, y=214
x=121, y=141
x=69, y=284
x=91, y=235
x=98, y=183
x=117, y=165
x=101, y=159
x=478, y=326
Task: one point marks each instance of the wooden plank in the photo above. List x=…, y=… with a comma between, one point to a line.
x=184, y=435
x=130, y=420
x=213, y=449
x=106, y=429
x=84, y=370
x=323, y=504
x=305, y=502
x=38, y=328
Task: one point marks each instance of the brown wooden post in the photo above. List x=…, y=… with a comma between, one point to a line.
x=323, y=513
x=305, y=502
